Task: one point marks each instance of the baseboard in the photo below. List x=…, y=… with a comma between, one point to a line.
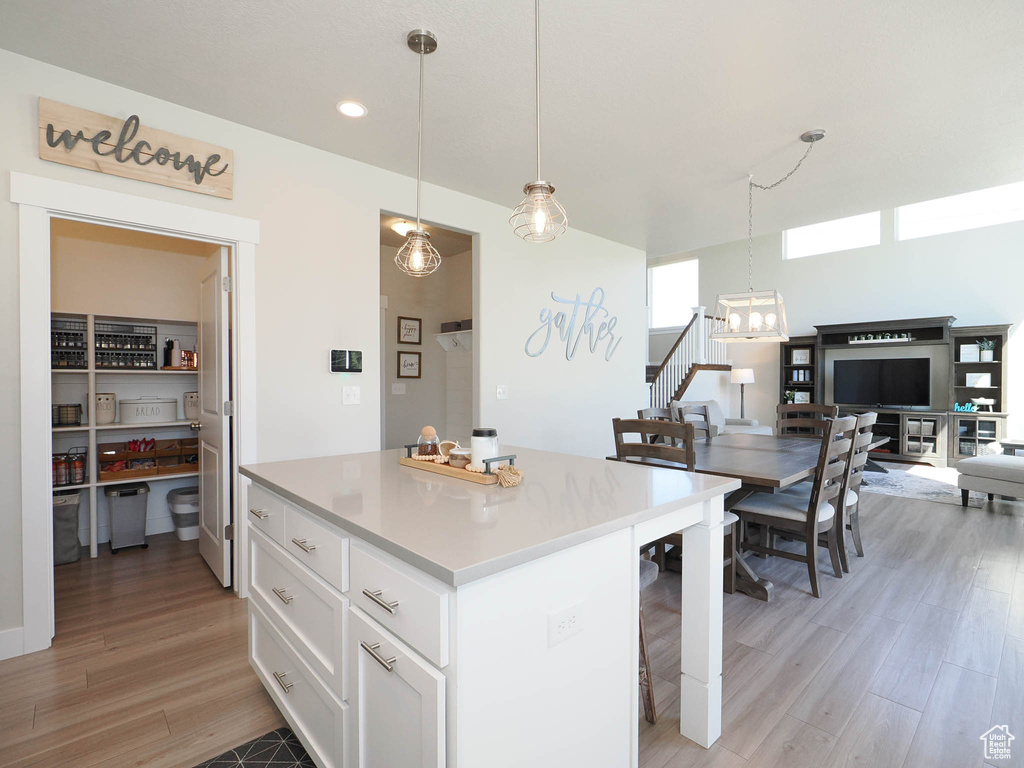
x=12, y=643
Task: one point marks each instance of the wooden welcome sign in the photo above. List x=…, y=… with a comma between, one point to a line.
x=85, y=139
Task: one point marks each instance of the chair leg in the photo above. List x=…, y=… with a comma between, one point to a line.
x=855, y=528
x=812, y=566
x=833, y=550
x=729, y=575
x=659, y=555
x=646, y=684
x=841, y=536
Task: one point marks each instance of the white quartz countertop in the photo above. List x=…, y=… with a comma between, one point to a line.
x=459, y=531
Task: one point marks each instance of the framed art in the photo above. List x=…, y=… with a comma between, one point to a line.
x=802, y=397
x=979, y=380
x=410, y=330
x=970, y=353
x=801, y=357
x=408, y=365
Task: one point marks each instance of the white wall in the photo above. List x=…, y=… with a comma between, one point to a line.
x=317, y=272
x=975, y=275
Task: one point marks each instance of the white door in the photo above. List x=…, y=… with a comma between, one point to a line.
x=397, y=700
x=214, y=424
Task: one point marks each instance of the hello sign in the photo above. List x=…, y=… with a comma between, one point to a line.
x=84, y=139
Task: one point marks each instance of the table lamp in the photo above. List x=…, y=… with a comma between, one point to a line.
x=742, y=376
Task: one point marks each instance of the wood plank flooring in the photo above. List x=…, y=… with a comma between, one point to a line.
x=149, y=667
x=903, y=663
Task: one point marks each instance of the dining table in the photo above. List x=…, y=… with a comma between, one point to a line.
x=762, y=464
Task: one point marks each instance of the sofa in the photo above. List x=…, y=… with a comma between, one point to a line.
x=721, y=425
x=995, y=475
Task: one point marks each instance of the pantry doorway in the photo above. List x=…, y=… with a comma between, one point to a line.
x=223, y=337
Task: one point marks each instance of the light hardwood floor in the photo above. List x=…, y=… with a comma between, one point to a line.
x=903, y=663
x=149, y=667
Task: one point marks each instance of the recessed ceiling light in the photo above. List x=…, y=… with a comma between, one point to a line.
x=351, y=109
x=403, y=228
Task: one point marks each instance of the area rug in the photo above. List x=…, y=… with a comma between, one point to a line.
x=918, y=481
x=277, y=749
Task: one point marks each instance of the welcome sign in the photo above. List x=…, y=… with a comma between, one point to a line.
x=84, y=139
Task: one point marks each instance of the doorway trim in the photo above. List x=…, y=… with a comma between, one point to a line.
x=40, y=200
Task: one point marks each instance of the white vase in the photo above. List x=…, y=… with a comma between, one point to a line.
x=987, y=355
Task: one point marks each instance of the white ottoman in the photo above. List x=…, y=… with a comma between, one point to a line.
x=1002, y=475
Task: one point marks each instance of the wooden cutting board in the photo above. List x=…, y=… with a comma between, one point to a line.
x=444, y=469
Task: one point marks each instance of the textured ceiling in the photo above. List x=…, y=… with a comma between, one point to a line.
x=654, y=111
x=446, y=241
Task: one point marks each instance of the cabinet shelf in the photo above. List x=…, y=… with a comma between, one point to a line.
x=144, y=425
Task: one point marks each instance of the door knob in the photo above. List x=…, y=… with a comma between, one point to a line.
x=195, y=426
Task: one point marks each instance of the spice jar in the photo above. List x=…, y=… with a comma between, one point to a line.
x=483, y=445
x=429, y=443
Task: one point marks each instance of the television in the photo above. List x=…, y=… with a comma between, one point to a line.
x=893, y=381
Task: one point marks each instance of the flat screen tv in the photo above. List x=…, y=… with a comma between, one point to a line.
x=895, y=381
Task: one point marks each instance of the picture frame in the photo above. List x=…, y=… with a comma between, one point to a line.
x=410, y=330
x=801, y=356
x=409, y=365
x=970, y=353
x=802, y=397
x=979, y=380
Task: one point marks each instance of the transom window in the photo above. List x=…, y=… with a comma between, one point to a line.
x=996, y=205
x=831, y=236
x=673, y=293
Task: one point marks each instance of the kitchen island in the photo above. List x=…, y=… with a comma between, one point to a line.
x=403, y=618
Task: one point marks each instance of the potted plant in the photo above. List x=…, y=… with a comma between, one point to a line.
x=987, y=347
x=790, y=395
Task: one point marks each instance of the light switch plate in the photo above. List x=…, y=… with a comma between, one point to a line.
x=350, y=396
x=502, y=391
x=398, y=389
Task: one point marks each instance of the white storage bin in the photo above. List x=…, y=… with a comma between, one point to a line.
x=149, y=410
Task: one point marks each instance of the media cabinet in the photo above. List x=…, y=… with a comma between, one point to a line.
x=939, y=434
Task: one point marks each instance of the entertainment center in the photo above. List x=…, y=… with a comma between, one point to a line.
x=939, y=390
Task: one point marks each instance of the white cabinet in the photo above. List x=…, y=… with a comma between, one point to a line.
x=396, y=701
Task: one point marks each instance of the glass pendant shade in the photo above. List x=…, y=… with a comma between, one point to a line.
x=417, y=257
x=750, y=316
x=540, y=218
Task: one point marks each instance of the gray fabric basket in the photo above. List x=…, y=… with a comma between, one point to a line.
x=66, y=546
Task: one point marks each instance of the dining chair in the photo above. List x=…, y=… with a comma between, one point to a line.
x=648, y=575
x=697, y=415
x=807, y=511
x=858, y=465
x=803, y=419
x=655, y=414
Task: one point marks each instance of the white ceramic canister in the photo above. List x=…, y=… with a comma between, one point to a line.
x=192, y=405
x=483, y=445
x=106, y=407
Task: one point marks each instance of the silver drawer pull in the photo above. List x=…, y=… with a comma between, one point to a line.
x=260, y=514
x=303, y=545
x=372, y=650
x=279, y=676
x=280, y=593
x=375, y=596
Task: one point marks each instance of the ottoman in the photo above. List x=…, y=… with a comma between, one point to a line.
x=999, y=474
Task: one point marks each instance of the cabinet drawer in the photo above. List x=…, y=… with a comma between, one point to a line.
x=266, y=512
x=411, y=606
x=319, y=720
x=308, y=613
x=316, y=545
x=398, y=702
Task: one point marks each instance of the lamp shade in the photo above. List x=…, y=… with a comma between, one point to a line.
x=750, y=316
x=742, y=376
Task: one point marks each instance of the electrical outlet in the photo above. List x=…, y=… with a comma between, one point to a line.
x=398, y=389
x=502, y=392
x=564, y=623
x=350, y=396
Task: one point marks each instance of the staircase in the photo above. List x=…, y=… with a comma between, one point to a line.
x=694, y=351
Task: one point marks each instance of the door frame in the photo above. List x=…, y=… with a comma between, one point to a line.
x=39, y=200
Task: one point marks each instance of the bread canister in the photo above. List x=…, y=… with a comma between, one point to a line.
x=192, y=405
x=106, y=407
x=148, y=410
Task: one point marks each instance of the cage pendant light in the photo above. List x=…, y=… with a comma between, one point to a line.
x=756, y=315
x=417, y=257
x=540, y=218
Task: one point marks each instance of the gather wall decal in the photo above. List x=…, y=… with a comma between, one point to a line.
x=578, y=320
x=83, y=139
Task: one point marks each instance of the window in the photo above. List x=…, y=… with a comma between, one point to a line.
x=836, y=235
x=997, y=205
x=673, y=293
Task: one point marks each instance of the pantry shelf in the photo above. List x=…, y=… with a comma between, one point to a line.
x=151, y=479
x=143, y=426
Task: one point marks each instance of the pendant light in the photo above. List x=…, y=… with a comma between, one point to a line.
x=540, y=218
x=417, y=257
x=756, y=315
